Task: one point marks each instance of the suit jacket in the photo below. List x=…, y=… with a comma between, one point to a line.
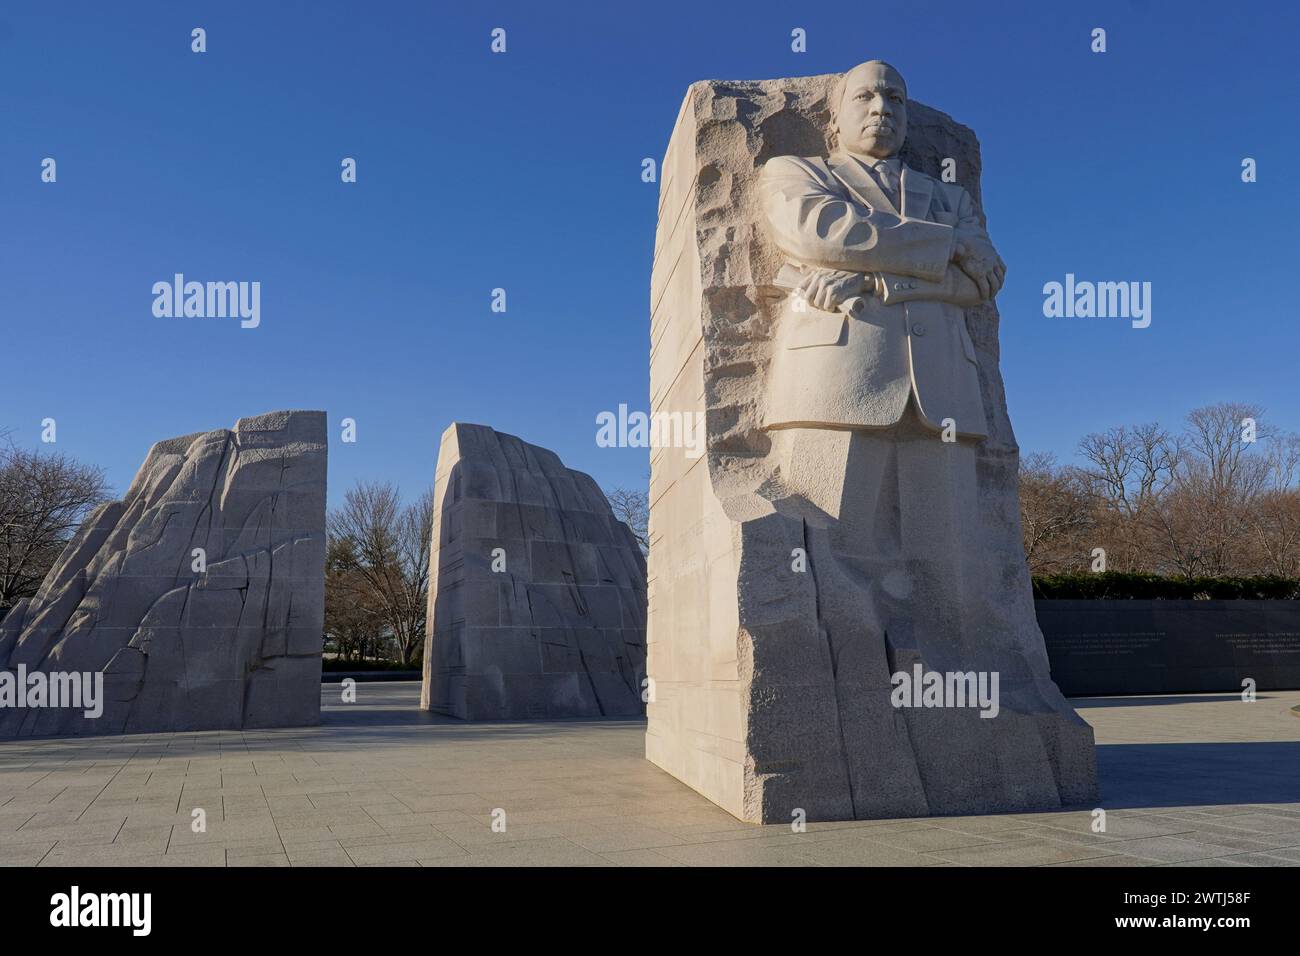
x=830, y=370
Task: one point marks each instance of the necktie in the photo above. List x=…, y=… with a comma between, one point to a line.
x=888, y=181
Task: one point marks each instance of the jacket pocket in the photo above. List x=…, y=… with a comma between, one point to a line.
x=814, y=327
x=967, y=346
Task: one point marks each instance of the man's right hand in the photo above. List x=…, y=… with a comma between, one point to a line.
x=825, y=289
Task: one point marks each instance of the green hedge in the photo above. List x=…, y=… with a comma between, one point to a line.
x=338, y=664
x=1121, y=586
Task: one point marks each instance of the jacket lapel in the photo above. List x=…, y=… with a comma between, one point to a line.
x=917, y=188
x=860, y=183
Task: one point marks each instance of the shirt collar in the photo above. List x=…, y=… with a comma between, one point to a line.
x=892, y=163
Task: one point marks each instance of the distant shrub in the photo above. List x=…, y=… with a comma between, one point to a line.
x=1123, y=586
x=338, y=664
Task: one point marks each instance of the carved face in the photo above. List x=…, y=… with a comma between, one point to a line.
x=872, y=114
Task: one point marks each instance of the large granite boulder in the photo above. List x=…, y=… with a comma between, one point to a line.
x=536, y=590
x=199, y=596
x=809, y=560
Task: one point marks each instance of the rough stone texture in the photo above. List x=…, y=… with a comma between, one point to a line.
x=236, y=646
x=559, y=631
x=746, y=707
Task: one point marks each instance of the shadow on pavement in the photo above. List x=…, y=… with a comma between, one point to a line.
x=1158, y=701
x=1174, y=775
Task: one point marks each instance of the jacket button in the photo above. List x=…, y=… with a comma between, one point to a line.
x=918, y=328
x=898, y=287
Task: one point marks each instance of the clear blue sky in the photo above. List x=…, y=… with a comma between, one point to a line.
x=523, y=171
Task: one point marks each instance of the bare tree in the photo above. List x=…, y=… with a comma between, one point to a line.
x=1220, y=475
x=1217, y=437
x=1217, y=499
x=381, y=552
x=633, y=509
x=1056, y=512
x=44, y=498
x=1274, y=516
x=1129, y=471
x=354, y=619
x=1275, y=532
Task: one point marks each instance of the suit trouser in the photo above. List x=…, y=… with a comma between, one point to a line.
x=892, y=496
x=890, y=525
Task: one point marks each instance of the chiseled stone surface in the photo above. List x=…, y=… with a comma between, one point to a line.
x=236, y=645
x=536, y=590
x=772, y=679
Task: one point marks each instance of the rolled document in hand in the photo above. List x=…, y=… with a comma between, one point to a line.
x=791, y=277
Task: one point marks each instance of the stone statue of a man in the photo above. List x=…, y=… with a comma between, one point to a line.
x=875, y=412
x=906, y=250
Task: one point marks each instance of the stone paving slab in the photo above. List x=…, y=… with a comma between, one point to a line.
x=1201, y=779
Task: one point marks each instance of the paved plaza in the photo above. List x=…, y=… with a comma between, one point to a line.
x=1186, y=780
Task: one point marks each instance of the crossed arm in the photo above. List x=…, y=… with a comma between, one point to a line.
x=849, y=249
